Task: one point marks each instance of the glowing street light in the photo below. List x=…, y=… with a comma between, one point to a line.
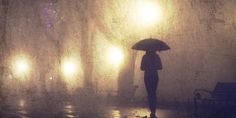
x=115, y=56
x=21, y=66
x=150, y=13
x=69, y=67
x=147, y=13
x=71, y=70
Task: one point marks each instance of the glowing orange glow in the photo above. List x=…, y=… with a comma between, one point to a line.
x=21, y=66
x=69, y=67
x=115, y=56
x=146, y=13
x=150, y=13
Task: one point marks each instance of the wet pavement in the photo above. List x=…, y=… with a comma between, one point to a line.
x=61, y=108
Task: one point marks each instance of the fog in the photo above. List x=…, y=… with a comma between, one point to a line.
x=49, y=35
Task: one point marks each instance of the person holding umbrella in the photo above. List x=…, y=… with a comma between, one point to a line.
x=150, y=64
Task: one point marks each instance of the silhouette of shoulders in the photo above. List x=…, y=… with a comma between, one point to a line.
x=151, y=61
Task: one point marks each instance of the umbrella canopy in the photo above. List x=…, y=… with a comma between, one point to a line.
x=151, y=44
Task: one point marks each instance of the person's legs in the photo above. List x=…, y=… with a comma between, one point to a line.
x=151, y=81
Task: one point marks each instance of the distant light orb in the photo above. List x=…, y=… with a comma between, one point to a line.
x=50, y=78
x=69, y=68
x=115, y=56
x=21, y=66
x=148, y=13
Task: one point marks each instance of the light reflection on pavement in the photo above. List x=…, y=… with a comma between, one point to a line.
x=22, y=108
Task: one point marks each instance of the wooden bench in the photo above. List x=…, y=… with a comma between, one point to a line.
x=222, y=100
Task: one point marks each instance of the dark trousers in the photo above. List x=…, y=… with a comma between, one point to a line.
x=151, y=82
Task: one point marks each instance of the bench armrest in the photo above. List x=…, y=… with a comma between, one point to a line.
x=202, y=93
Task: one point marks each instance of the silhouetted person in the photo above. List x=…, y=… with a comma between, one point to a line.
x=151, y=62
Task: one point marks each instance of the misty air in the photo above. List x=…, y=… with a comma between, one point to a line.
x=117, y=59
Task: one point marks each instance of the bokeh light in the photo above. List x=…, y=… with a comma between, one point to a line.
x=145, y=13
x=72, y=72
x=21, y=66
x=69, y=67
x=115, y=56
x=150, y=13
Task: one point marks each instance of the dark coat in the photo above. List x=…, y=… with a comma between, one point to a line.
x=151, y=62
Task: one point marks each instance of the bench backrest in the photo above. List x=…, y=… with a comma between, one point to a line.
x=225, y=91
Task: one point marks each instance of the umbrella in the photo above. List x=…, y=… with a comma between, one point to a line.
x=151, y=44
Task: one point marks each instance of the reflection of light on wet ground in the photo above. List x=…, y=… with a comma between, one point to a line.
x=116, y=114
x=21, y=103
x=161, y=113
x=23, y=112
x=23, y=108
x=70, y=116
x=24, y=117
x=68, y=107
x=69, y=111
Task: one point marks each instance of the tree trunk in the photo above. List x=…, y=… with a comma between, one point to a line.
x=87, y=32
x=3, y=25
